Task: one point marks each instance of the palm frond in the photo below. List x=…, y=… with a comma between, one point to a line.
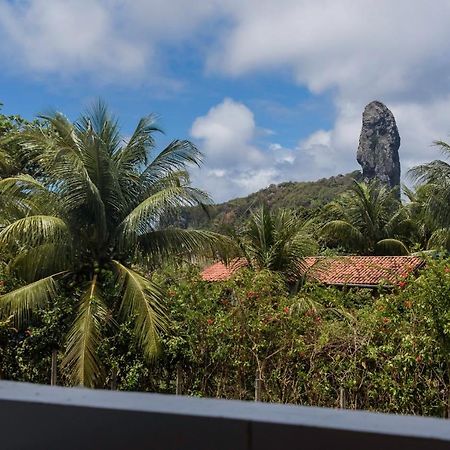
x=137, y=149
x=439, y=239
x=345, y=233
x=60, y=154
x=277, y=241
x=393, y=247
x=6, y=163
x=35, y=230
x=81, y=360
x=41, y=261
x=27, y=196
x=28, y=298
x=103, y=124
x=146, y=215
x=21, y=184
x=99, y=140
x=409, y=193
x=176, y=156
x=433, y=172
x=175, y=242
x=444, y=147
x=142, y=299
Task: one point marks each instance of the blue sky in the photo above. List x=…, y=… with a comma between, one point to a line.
x=270, y=91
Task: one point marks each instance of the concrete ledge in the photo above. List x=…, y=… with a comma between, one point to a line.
x=44, y=417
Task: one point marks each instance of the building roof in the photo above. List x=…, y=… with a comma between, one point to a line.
x=362, y=270
x=220, y=272
x=341, y=270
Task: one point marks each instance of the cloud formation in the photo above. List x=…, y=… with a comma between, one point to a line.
x=358, y=50
x=73, y=36
x=354, y=50
x=108, y=40
x=357, y=46
x=235, y=165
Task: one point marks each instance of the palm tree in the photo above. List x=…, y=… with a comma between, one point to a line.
x=9, y=153
x=426, y=233
x=91, y=221
x=9, y=159
x=367, y=219
x=435, y=179
x=277, y=241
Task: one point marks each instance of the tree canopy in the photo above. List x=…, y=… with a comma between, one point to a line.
x=89, y=220
x=367, y=219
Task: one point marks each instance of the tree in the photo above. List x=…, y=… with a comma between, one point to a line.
x=90, y=221
x=277, y=241
x=426, y=233
x=10, y=161
x=367, y=219
x=435, y=179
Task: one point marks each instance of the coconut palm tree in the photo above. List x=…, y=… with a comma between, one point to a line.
x=435, y=180
x=426, y=233
x=367, y=219
x=90, y=222
x=277, y=241
x=9, y=155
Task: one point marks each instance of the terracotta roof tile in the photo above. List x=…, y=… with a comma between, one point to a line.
x=341, y=270
x=362, y=270
x=220, y=272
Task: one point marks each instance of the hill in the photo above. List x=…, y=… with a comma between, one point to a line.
x=304, y=196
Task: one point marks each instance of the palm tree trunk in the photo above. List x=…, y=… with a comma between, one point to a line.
x=258, y=385
x=178, y=388
x=54, y=369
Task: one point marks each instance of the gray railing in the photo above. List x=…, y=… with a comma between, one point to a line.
x=43, y=417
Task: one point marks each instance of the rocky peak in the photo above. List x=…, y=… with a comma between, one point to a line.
x=378, y=145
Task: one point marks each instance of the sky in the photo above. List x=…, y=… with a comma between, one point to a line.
x=269, y=90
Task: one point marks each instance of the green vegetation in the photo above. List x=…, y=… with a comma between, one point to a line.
x=434, y=198
x=322, y=346
x=304, y=197
x=276, y=241
x=368, y=219
x=85, y=223
x=91, y=270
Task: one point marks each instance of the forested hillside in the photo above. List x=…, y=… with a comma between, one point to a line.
x=304, y=197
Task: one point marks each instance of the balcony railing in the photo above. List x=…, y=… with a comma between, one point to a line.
x=43, y=417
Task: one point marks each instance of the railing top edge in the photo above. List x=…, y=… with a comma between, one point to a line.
x=359, y=421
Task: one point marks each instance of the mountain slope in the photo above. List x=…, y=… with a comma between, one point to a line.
x=304, y=197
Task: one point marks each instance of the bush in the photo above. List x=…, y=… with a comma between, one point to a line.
x=322, y=346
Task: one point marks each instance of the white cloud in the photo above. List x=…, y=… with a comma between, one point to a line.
x=50, y=36
x=357, y=50
x=354, y=50
x=110, y=40
x=420, y=124
x=235, y=166
x=227, y=132
x=353, y=45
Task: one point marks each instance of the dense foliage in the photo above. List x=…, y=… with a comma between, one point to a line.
x=90, y=215
x=277, y=241
x=327, y=347
x=433, y=198
x=304, y=197
x=368, y=219
x=93, y=272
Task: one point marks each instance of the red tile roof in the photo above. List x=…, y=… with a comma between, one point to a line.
x=362, y=270
x=220, y=272
x=341, y=270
